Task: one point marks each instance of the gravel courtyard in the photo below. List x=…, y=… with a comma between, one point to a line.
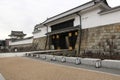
x=21, y=68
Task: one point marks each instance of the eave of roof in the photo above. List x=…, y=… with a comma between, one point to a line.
x=110, y=10
x=77, y=9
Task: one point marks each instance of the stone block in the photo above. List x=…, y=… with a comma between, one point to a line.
x=111, y=64
x=117, y=28
x=74, y=60
x=49, y=57
x=31, y=55
x=1, y=77
x=58, y=58
x=37, y=55
x=42, y=56
x=90, y=61
x=34, y=55
x=27, y=54
x=63, y=59
x=70, y=59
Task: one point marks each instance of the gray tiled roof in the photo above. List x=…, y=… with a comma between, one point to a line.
x=17, y=33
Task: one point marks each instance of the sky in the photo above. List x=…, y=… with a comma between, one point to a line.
x=23, y=15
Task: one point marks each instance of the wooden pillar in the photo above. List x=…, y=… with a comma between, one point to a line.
x=58, y=41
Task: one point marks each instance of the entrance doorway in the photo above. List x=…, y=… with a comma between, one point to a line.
x=65, y=40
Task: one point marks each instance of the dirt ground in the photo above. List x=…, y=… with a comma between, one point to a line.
x=21, y=68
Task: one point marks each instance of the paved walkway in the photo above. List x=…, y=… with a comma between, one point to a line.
x=22, y=68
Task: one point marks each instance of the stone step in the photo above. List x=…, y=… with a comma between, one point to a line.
x=1, y=77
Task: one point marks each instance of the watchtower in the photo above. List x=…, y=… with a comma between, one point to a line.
x=17, y=35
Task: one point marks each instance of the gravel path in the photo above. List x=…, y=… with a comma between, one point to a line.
x=21, y=68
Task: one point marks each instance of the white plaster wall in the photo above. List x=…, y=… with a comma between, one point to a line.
x=110, y=18
x=77, y=21
x=27, y=41
x=90, y=18
x=36, y=35
x=93, y=18
x=40, y=33
x=49, y=29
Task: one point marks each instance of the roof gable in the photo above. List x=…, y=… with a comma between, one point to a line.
x=89, y=4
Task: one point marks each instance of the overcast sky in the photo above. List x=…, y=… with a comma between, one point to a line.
x=23, y=15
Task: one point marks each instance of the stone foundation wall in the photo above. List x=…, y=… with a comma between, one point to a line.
x=103, y=39
x=39, y=43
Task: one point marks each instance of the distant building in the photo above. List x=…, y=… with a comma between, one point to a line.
x=17, y=42
x=17, y=35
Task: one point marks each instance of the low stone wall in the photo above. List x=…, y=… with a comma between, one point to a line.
x=111, y=64
x=77, y=60
x=74, y=60
x=12, y=54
